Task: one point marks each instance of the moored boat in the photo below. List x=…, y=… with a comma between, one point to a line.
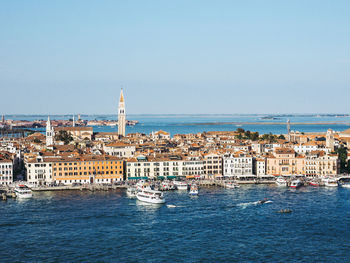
x=281, y=181
x=314, y=183
x=131, y=191
x=180, y=185
x=295, y=183
x=150, y=196
x=231, y=185
x=330, y=182
x=22, y=191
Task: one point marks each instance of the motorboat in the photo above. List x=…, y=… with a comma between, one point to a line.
x=193, y=190
x=265, y=200
x=141, y=184
x=295, y=183
x=231, y=185
x=22, y=191
x=314, y=183
x=180, y=185
x=281, y=181
x=131, y=191
x=330, y=182
x=149, y=195
x=345, y=184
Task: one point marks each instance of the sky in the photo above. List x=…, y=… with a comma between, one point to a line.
x=175, y=57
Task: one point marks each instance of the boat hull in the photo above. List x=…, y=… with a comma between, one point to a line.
x=24, y=196
x=151, y=201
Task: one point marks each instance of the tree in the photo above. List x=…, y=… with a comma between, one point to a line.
x=254, y=136
x=64, y=136
x=240, y=130
x=36, y=140
x=343, y=155
x=281, y=137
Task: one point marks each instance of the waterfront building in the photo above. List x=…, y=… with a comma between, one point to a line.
x=120, y=149
x=328, y=164
x=260, y=166
x=193, y=167
x=213, y=165
x=239, y=164
x=39, y=171
x=6, y=172
x=88, y=169
x=121, y=115
x=284, y=161
x=49, y=133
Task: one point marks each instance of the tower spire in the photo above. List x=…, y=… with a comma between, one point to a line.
x=121, y=115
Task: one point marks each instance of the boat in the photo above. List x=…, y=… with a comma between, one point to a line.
x=285, y=211
x=149, y=195
x=345, y=184
x=330, y=182
x=180, y=185
x=231, y=185
x=281, y=181
x=131, y=191
x=194, y=190
x=265, y=200
x=22, y=191
x=295, y=183
x=141, y=184
x=314, y=183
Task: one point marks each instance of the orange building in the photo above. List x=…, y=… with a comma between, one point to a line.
x=88, y=169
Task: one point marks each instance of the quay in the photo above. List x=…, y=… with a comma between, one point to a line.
x=79, y=187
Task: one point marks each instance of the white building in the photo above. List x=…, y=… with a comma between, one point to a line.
x=160, y=135
x=260, y=166
x=193, y=166
x=120, y=149
x=237, y=165
x=6, y=172
x=121, y=115
x=39, y=171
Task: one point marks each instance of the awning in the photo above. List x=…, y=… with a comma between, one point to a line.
x=171, y=177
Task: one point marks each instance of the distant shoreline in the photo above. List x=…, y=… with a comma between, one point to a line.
x=266, y=123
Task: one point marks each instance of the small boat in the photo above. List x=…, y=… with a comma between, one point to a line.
x=131, y=191
x=314, y=183
x=345, y=184
x=265, y=200
x=231, y=185
x=149, y=195
x=330, y=182
x=194, y=190
x=22, y=191
x=281, y=181
x=296, y=183
x=180, y=185
x=285, y=211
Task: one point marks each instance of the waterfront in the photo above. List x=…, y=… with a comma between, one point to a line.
x=220, y=225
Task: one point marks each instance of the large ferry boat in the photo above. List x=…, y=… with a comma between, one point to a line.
x=22, y=191
x=150, y=196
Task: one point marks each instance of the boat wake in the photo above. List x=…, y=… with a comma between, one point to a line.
x=245, y=205
x=173, y=206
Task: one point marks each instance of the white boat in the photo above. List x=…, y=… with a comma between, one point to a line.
x=150, y=196
x=296, y=183
x=194, y=190
x=231, y=185
x=141, y=184
x=330, y=182
x=180, y=185
x=23, y=191
x=345, y=185
x=281, y=181
x=131, y=191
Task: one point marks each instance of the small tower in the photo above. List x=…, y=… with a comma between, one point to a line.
x=288, y=130
x=49, y=132
x=79, y=117
x=330, y=139
x=73, y=124
x=121, y=115
x=3, y=119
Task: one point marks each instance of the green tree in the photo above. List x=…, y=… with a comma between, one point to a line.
x=64, y=136
x=240, y=130
x=343, y=155
x=281, y=137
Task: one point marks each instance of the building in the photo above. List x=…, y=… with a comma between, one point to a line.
x=160, y=135
x=260, y=166
x=49, y=133
x=212, y=164
x=239, y=164
x=121, y=115
x=6, y=172
x=88, y=169
x=78, y=133
x=330, y=139
x=285, y=162
x=120, y=149
x=39, y=171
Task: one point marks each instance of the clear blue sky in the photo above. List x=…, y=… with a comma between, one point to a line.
x=59, y=57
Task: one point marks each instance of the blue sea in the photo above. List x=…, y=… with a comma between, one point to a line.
x=220, y=225
x=220, y=122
